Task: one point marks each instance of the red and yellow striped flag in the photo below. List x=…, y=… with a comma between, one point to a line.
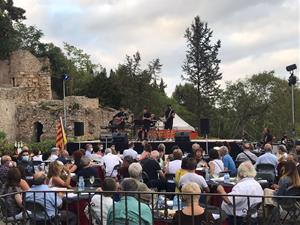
x=61, y=138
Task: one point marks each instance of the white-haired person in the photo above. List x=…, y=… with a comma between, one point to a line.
x=154, y=172
x=135, y=171
x=228, y=162
x=192, y=209
x=110, y=161
x=247, y=186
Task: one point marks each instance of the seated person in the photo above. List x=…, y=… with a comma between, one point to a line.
x=130, y=151
x=228, y=162
x=41, y=193
x=215, y=165
x=268, y=157
x=144, y=197
x=37, y=156
x=293, y=157
x=110, y=161
x=191, y=176
x=13, y=202
x=175, y=165
x=246, y=185
x=281, y=153
x=54, y=154
x=146, y=151
x=135, y=171
x=130, y=185
x=58, y=175
x=246, y=154
x=97, y=154
x=24, y=164
x=183, y=170
x=6, y=164
x=290, y=178
x=88, y=171
x=76, y=158
x=127, y=160
x=185, y=216
x=101, y=208
x=63, y=157
x=152, y=168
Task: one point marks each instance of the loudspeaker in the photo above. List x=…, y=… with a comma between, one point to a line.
x=204, y=126
x=119, y=138
x=78, y=129
x=182, y=137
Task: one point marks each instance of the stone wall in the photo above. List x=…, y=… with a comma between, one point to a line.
x=26, y=102
x=48, y=112
x=5, y=79
x=8, y=118
x=24, y=70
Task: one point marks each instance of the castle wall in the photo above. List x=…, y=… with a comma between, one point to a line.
x=5, y=80
x=8, y=122
x=79, y=109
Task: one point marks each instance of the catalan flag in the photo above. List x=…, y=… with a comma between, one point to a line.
x=61, y=138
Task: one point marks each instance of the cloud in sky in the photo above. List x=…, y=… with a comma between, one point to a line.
x=256, y=35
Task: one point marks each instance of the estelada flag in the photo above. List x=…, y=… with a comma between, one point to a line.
x=61, y=138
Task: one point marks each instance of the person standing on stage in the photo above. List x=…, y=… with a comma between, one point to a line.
x=169, y=116
x=118, y=121
x=147, y=123
x=267, y=136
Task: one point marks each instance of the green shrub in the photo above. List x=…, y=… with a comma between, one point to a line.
x=43, y=146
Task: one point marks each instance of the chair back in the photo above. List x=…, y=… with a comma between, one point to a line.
x=95, y=218
x=170, y=177
x=289, y=203
x=145, y=177
x=38, y=211
x=253, y=209
x=270, y=177
x=265, y=167
x=116, y=168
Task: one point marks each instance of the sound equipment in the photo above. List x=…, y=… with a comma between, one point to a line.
x=120, y=138
x=78, y=129
x=182, y=137
x=204, y=126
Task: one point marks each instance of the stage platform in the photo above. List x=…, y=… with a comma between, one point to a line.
x=186, y=146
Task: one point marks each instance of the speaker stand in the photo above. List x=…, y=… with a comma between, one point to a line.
x=206, y=138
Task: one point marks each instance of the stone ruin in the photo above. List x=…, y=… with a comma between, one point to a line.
x=27, y=110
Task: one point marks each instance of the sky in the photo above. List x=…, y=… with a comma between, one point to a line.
x=256, y=35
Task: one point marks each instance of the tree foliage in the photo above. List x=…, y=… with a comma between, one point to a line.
x=9, y=15
x=201, y=66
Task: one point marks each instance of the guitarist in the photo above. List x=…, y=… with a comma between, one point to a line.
x=118, y=121
x=147, y=123
x=169, y=116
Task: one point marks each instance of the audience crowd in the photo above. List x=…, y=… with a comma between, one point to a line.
x=152, y=170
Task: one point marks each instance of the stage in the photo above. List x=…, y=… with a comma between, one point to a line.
x=185, y=145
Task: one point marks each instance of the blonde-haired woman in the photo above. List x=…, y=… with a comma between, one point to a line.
x=58, y=175
x=192, y=211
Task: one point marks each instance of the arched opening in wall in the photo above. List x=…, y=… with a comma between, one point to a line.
x=37, y=132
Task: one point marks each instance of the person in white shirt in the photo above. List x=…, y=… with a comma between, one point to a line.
x=175, y=165
x=54, y=154
x=191, y=176
x=130, y=151
x=110, y=161
x=37, y=156
x=215, y=165
x=246, y=185
x=101, y=204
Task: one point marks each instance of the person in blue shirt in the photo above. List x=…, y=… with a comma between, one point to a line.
x=228, y=162
x=41, y=193
x=268, y=157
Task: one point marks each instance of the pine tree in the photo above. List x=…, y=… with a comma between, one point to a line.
x=201, y=66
